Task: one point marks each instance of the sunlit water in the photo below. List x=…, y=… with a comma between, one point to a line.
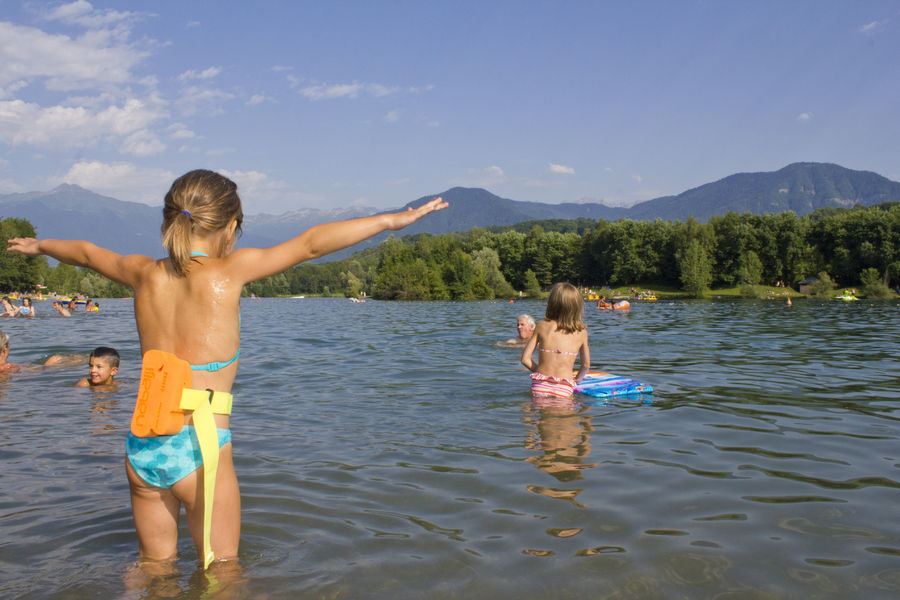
x=391, y=450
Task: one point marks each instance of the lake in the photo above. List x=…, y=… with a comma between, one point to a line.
x=392, y=450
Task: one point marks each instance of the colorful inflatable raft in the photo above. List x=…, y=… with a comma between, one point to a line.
x=605, y=385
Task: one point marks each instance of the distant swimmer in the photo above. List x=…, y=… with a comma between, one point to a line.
x=525, y=326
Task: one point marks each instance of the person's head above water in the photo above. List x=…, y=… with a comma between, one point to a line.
x=565, y=306
x=103, y=366
x=203, y=204
x=525, y=325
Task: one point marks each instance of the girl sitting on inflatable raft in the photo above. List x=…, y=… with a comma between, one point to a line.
x=558, y=338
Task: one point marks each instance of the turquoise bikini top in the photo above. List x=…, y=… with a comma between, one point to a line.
x=213, y=366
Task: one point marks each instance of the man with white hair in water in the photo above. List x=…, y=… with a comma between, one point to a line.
x=525, y=325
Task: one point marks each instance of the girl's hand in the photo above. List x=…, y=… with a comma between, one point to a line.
x=27, y=246
x=402, y=219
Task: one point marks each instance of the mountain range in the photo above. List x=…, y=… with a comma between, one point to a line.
x=69, y=211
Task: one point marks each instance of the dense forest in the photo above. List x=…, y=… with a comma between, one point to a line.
x=846, y=247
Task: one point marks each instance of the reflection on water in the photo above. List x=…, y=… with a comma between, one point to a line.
x=394, y=450
x=562, y=436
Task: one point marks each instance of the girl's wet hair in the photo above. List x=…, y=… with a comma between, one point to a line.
x=198, y=201
x=565, y=307
x=4, y=340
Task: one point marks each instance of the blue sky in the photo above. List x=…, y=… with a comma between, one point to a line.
x=375, y=103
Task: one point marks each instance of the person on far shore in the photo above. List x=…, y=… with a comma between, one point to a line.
x=525, y=327
x=103, y=366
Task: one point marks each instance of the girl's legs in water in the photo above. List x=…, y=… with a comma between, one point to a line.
x=156, y=511
x=225, y=532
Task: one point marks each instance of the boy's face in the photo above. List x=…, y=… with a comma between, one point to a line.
x=100, y=371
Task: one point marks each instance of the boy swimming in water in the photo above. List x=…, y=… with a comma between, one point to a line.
x=104, y=364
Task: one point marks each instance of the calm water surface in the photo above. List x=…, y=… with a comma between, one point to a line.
x=391, y=450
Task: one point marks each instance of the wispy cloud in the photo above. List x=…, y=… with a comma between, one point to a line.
x=804, y=117
x=345, y=90
x=561, y=169
x=258, y=99
x=872, y=27
x=330, y=91
x=205, y=74
x=392, y=116
x=198, y=99
x=180, y=131
x=485, y=177
x=84, y=14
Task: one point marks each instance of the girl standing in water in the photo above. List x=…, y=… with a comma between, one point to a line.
x=559, y=338
x=187, y=305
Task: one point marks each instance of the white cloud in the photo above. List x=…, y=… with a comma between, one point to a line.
x=392, y=116
x=872, y=27
x=637, y=178
x=561, y=169
x=196, y=99
x=803, y=117
x=256, y=186
x=23, y=123
x=486, y=177
x=124, y=181
x=142, y=143
x=343, y=90
x=83, y=13
x=258, y=99
x=63, y=63
x=8, y=186
x=180, y=131
x=205, y=74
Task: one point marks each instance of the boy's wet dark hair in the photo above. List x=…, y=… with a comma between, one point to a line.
x=105, y=352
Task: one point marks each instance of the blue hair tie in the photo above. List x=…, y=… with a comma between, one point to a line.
x=184, y=212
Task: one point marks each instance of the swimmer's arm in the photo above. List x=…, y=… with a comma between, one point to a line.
x=528, y=352
x=121, y=269
x=250, y=264
x=584, y=354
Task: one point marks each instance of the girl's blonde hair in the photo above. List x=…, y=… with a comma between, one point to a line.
x=565, y=307
x=197, y=201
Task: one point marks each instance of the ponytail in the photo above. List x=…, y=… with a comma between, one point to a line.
x=201, y=201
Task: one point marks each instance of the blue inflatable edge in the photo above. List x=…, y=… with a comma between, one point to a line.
x=609, y=386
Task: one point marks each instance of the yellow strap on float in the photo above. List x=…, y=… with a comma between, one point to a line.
x=204, y=403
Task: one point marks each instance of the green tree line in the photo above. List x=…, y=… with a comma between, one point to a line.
x=850, y=247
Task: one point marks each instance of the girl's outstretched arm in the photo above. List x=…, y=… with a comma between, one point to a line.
x=250, y=264
x=122, y=269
